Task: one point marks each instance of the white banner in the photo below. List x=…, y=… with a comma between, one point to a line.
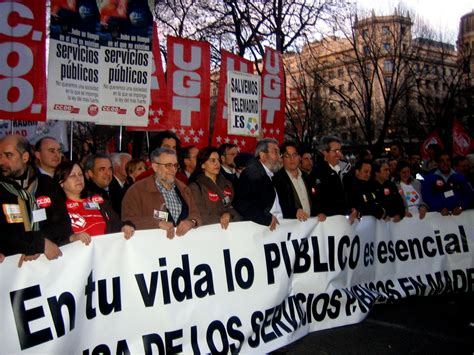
x=219, y=291
x=244, y=108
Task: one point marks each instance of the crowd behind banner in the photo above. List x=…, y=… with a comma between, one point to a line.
x=250, y=290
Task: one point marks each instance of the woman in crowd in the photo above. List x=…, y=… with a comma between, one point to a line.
x=410, y=189
x=133, y=168
x=212, y=193
x=90, y=215
x=386, y=192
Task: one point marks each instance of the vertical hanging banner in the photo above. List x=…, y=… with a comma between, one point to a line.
x=100, y=61
x=230, y=62
x=189, y=81
x=158, y=108
x=462, y=142
x=73, y=66
x=23, y=60
x=273, y=95
x=244, y=104
x=125, y=35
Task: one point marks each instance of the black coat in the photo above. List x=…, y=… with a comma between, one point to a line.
x=390, y=198
x=287, y=196
x=362, y=196
x=255, y=195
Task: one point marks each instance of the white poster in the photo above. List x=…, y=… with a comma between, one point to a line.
x=242, y=289
x=244, y=106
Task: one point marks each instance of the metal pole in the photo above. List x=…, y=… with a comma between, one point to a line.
x=120, y=138
x=70, y=144
x=147, y=141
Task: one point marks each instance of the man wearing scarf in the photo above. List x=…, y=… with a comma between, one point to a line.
x=33, y=216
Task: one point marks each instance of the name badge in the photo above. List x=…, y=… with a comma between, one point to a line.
x=12, y=213
x=160, y=215
x=449, y=193
x=91, y=205
x=39, y=215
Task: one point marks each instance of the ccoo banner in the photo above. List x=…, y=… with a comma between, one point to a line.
x=223, y=291
x=22, y=60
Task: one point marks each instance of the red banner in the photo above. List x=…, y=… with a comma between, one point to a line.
x=462, y=142
x=433, y=138
x=189, y=86
x=273, y=95
x=23, y=60
x=230, y=62
x=158, y=91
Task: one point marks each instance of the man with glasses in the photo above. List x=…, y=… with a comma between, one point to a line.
x=227, y=153
x=331, y=194
x=161, y=201
x=293, y=186
x=256, y=199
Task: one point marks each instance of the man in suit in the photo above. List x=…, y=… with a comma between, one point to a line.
x=227, y=153
x=256, y=198
x=117, y=186
x=293, y=185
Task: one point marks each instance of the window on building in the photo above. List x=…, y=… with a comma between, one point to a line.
x=353, y=120
x=366, y=50
x=387, y=47
x=350, y=87
x=340, y=73
x=388, y=65
x=331, y=74
x=341, y=88
x=428, y=84
x=344, y=136
x=343, y=121
x=365, y=33
x=354, y=136
x=385, y=30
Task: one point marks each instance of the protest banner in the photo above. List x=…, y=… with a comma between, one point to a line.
x=244, y=104
x=242, y=289
x=23, y=60
x=230, y=62
x=100, y=62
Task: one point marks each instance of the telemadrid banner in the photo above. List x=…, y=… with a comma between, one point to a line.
x=245, y=289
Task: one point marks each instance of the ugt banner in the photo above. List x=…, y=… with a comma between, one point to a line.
x=22, y=60
x=244, y=289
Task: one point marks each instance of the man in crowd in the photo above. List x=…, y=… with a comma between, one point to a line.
x=187, y=163
x=33, y=217
x=161, y=201
x=48, y=155
x=164, y=139
x=293, y=186
x=331, y=194
x=306, y=164
x=256, y=199
x=227, y=153
x=117, y=185
x=444, y=190
x=99, y=173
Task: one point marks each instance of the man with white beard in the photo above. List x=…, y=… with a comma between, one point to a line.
x=256, y=198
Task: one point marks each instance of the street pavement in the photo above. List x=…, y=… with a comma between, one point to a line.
x=422, y=325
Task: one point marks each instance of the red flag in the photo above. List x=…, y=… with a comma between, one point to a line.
x=158, y=91
x=273, y=95
x=189, y=96
x=462, y=142
x=433, y=138
x=230, y=62
x=23, y=72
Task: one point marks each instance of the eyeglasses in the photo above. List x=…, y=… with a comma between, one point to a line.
x=337, y=151
x=168, y=165
x=290, y=156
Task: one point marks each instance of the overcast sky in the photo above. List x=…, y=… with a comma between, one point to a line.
x=442, y=15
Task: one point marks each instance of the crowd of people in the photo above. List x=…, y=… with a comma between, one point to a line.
x=49, y=201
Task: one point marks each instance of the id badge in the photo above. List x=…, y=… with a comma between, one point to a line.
x=160, y=215
x=12, y=213
x=39, y=215
x=91, y=205
x=449, y=193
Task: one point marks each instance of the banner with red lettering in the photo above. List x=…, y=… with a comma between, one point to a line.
x=433, y=138
x=230, y=62
x=273, y=95
x=189, y=81
x=23, y=60
x=462, y=142
x=158, y=109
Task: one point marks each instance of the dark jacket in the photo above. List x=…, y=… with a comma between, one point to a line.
x=56, y=227
x=390, y=199
x=214, y=199
x=331, y=195
x=255, y=195
x=289, y=200
x=116, y=193
x=362, y=196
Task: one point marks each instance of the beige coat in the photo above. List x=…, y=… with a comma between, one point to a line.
x=143, y=198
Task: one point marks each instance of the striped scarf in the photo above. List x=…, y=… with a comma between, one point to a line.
x=26, y=201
